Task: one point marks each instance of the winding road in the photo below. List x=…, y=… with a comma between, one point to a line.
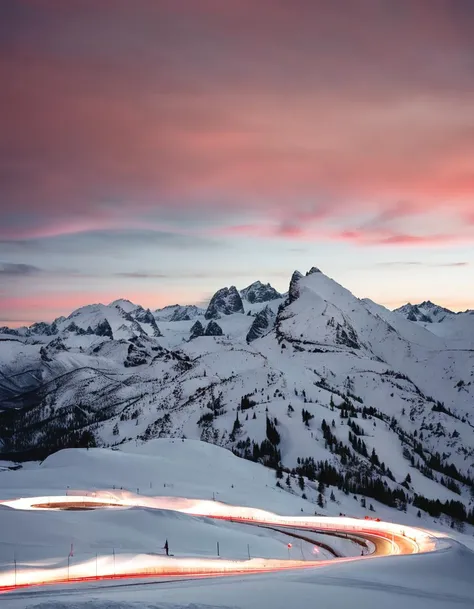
x=380, y=539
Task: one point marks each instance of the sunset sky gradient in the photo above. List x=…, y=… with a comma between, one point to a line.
x=158, y=150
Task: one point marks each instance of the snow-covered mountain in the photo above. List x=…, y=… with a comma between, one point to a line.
x=320, y=383
x=427, y=312
x=456, y=328
x=260, y=292
x=178, y=313
x=224, y=302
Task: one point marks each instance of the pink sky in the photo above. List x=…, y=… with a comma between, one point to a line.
x=346, y=131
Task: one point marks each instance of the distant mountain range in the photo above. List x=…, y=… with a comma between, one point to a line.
x=314, y=381
x=427, y=312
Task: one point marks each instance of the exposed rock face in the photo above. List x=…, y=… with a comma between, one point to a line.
x=294, y=291
x=47, y=352
x=185, y=313
x=103, y=329
x=224, y=302
x=312, y=270
x=146, y=317
x=213, y=329
x=197, y=330
x=259, y=292
x=137, y=329
x=135, y=357
x=143, y=315
x=262, y=324
x=178, y=313
x=9, y=331
x=73, y=328
x=43, y=328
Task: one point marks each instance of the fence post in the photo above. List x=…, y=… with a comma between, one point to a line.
x=114, y=560
x=14, y=560
x=218, y=549
x=248, y=550
x=96, y=571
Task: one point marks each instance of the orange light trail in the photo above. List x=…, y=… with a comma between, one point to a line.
x=400, y=540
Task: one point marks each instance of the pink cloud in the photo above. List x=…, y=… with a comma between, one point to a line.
x=363, y=237
x=211, y=108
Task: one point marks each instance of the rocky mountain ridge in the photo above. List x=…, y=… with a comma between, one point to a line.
x=318, y=382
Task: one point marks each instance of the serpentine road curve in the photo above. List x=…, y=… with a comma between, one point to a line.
x=383, y=539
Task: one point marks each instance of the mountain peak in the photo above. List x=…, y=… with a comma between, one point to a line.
x=178, y=312
x=125, y=304
x=293, y=291
x=259, y=292
x=225, y=301
x=196, y=330
x=426, y=312
x=213, y=329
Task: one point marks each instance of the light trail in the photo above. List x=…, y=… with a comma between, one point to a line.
x=388, y=538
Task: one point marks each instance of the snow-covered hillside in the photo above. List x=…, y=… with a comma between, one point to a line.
x=161, y=467
x=167, y=481
x=317, y=383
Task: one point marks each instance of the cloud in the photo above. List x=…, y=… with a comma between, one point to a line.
x=198, y=275
x=323, y=232
x=110, y=242
x=177, y=134
x=18, y=270
x=426, y=264
x=258, y=107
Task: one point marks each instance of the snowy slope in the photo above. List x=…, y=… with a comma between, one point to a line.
x=39, y=539
x=160, y=467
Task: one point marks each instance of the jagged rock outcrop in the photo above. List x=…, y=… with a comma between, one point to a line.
x=262, y=324
x=213, y=329
x=47, y=352
x=426, y=312
x=43, y=328
x=137, y=329
x=146, y=317
x=260, y=292
x=224, y=302
x=9, y=331
x=196, y=330
x=143, y=315
x=73, y=328
x=294, y=292
x=178, y=312
x=186, y=313
x=103, y=329
x=135, y=356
